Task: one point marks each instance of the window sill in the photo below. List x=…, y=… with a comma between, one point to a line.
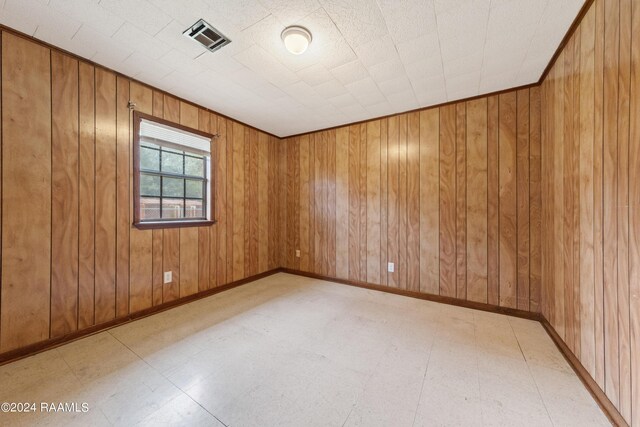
x=153, y=225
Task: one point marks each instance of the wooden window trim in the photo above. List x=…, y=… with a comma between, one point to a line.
x=150, y=225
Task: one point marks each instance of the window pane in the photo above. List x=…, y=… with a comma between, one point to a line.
x=194, y=188
x=193, y=166
x=149, y=159
x=172, y=162
x=172, y=187
x=172, y=208
x=149, y=185
x=149, y=208
x=195, y=209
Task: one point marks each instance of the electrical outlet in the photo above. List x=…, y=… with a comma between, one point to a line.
x=297, y=253
x=168, y=276
x=391, y=267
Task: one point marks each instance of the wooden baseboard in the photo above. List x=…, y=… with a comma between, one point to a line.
x=590, y=384
x=41, y=346
x=419, y=295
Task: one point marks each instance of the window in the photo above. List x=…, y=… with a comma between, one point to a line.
x=172, y=176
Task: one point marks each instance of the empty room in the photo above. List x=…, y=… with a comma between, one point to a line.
x=320, y=213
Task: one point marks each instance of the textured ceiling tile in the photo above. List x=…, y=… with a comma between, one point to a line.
x=343, y=100
x=366, y=92
x=140, y=41
x=359, y=21
x=424, y=68
x=470, y=19
x=350, y=72
x=366, y=57
x=186, y=12
x=258, y=60
x=315, y=75
x=242, y=13
x=403, y=101
x=90, y=14
x=288, y=12
x=140, y=13
x=399, y=84
x=427, y=46
x=330, y=89
x=409, y=19
x=376, y=51
x=387, y=70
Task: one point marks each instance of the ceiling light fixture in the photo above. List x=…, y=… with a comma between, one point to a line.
x=296, y=39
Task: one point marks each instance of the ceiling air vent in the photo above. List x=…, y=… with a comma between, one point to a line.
x=207, y=36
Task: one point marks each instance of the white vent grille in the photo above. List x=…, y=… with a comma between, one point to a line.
x=206, y=35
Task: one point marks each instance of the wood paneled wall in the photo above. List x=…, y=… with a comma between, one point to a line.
x=70, y=256
x=591, y=199
x=450, y=195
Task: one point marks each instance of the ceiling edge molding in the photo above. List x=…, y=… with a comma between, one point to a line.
x=572, y=29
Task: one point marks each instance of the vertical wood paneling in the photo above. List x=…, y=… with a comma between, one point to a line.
x=171, y=236
x=64, y=194
x=373, y=202
x=586, y=90
x=413, y=201
x=157, y=245
x=222, y=201
x=383, y=201
x=507, y=143
x=429, y=201
x=105, y=213
x=26, y=174
x=392, y=196
x=448, y=201
x=461, y=201
x=86, y=197
x=623, y=169
x=342, y=200
x=476, y=182
x=401, y=266
x=598, y=208
x=354, y=202
x=590, y=125
x=263, y=203
x=78, y=261
x=610, y=187
x=330, y=177
x=123, y=215
x=238, y=200
x=493, y=202
x=188, y=236
x=535, y=201
x=205, y=233
x=141, y=256
x=522, y=198
x=634, y=218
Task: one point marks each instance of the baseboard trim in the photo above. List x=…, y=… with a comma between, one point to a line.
x=590, y=384
x=30, y=350
x=419, y=295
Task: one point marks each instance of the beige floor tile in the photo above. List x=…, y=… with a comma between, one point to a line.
x=294, y=351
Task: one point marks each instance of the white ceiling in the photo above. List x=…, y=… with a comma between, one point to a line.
x=368, y=58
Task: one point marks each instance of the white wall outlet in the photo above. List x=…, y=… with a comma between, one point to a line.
x=168, y=276
x=297, y=253
x=391, y=267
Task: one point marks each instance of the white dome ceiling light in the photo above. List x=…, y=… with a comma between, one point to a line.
x=296, y=39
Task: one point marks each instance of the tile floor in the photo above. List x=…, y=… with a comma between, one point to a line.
x=293, y=351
